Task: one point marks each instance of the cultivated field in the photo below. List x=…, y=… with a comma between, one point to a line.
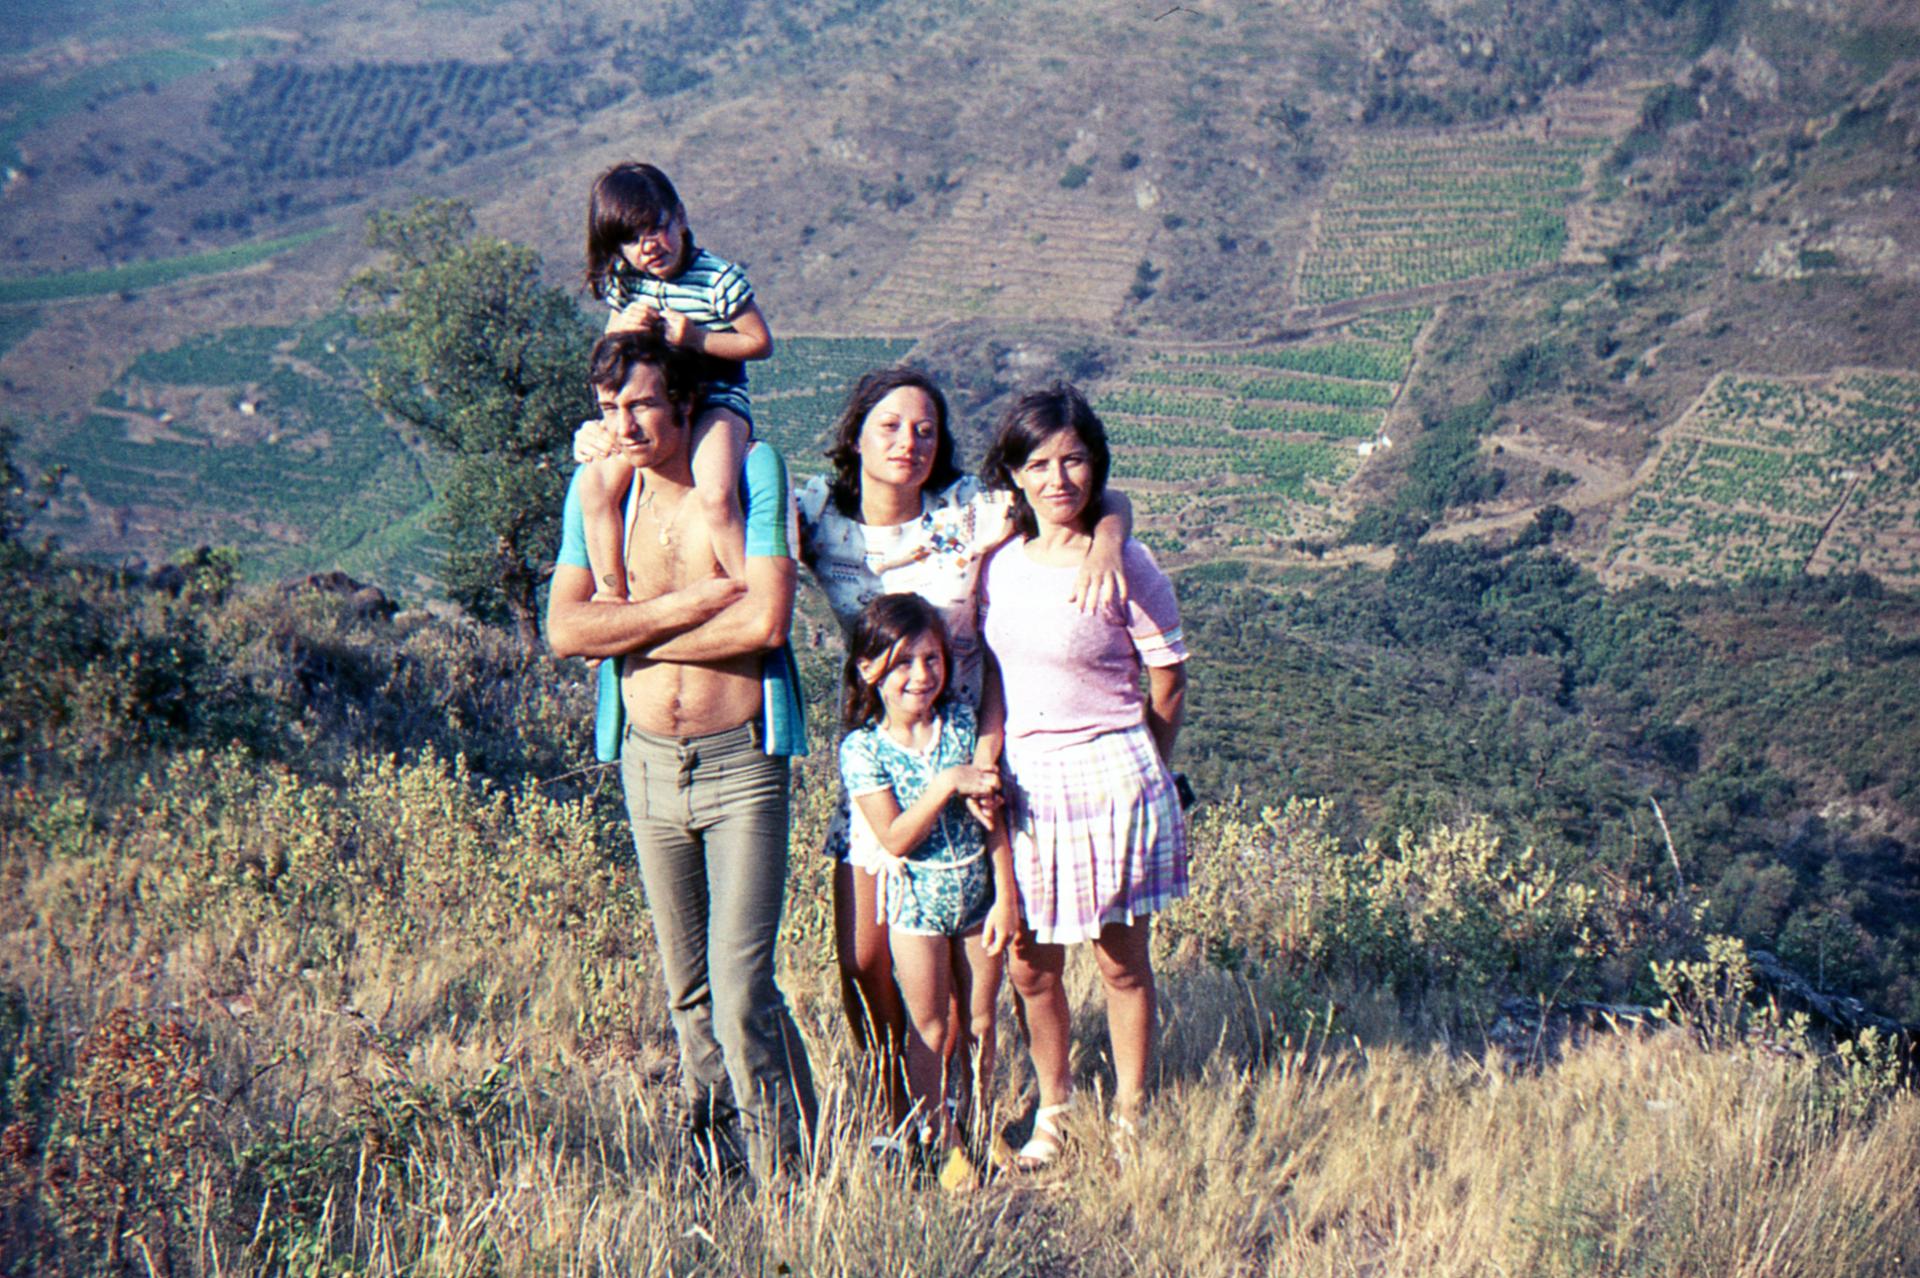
x=798, y=394
x=1777, y=475
x=1235, y=448
x=1410, y=211
x=1011, y=251
x=148, y=274
x=254, y=438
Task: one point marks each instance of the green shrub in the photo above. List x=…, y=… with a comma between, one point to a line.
x=1450, y=916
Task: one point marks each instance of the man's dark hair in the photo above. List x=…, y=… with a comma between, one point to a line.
x=616, y=355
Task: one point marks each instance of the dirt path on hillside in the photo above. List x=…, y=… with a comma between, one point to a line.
x=1595, y=484
x=1338, y=557
x=1331, y=314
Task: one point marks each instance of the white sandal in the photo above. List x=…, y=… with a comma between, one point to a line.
x=1048, y=1141
x=1123, y=1139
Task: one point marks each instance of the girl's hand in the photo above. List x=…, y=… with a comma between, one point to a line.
x=1002, y=925
x=639, y=317
x=970, y=782
x=678, y=329
x=592, y=442
x=985, y=810
x=1102, y=581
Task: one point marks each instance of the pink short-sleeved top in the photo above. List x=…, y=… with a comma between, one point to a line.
x=1069, y=676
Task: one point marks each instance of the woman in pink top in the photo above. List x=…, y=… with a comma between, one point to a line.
x=1099, y=842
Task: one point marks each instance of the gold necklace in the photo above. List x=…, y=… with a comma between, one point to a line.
x=664, y=528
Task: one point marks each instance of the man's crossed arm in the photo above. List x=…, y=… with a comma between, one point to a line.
x=714, y=619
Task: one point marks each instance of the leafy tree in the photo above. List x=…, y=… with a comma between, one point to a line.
x=488, y=362
x=20, y=498
x=1287, y=119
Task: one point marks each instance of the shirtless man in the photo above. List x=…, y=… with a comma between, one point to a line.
x=706, y=785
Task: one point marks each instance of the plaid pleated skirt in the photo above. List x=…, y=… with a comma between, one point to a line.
x=1098, y=835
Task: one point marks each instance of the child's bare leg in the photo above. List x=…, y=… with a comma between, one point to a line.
x=977, y=978
x=922, y=966
x=866, y=983
x=603, y=487
x=719, y=446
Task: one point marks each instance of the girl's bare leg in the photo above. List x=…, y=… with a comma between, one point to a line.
x=1125, y=959
x=977, y=984
x=923, y=966
x=603, y=487
x=719, y=447
x=872, y=1002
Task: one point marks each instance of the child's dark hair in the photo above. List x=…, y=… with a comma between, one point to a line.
x=1033, y=419
x=887, y=621
x=628, y=201
x=845, y=452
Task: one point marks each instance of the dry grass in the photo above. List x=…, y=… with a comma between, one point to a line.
x=401, y=1074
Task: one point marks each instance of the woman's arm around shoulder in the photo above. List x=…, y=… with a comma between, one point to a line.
x=1103, y=578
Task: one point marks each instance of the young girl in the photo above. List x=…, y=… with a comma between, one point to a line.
x=642, y=260
x=948, y=893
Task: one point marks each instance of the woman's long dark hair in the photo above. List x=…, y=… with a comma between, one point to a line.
x=1029, y=423
x=888, y=620
x=845, y=452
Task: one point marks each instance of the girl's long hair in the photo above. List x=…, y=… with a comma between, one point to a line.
x=1029, y=423
x=844, y=489
x=628, y=201
x=887, y=621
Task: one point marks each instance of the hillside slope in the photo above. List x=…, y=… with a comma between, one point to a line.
x=1620, y=207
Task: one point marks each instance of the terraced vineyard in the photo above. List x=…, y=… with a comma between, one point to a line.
x=1244, y=446
x=254, y=438
x=1006, y=251
x=1767, y=474
x=798, y=394
x=1413, y=211
x=259, y=439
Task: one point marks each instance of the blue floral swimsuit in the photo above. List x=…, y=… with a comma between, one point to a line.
x=944, y=887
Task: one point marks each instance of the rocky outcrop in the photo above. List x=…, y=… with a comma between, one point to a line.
x=1535, y=1031
x=363, y=601
x=1839, y=1015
